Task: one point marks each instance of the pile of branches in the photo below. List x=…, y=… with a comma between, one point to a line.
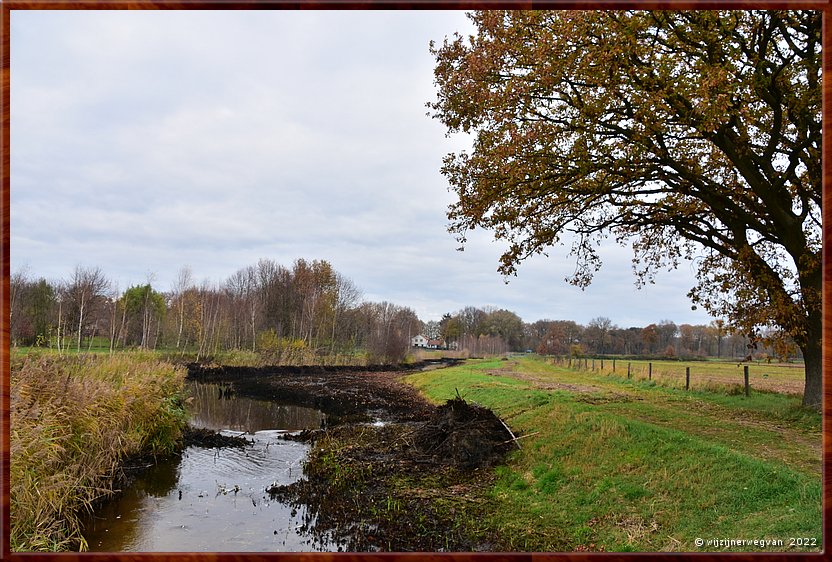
x=464, y=435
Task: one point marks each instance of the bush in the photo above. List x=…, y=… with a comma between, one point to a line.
x=74, y=420
x=278, y=350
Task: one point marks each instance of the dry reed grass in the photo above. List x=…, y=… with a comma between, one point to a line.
x=74, y=419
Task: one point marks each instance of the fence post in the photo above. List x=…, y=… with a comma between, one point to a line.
x=613, y=365
x=602, y=364
x=593, y=364
x=650, y=371
x=687, y=378
x=585, y=363
x=628, y=370
x=745, y=374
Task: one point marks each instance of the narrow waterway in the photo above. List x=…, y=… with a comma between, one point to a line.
x=214, y=500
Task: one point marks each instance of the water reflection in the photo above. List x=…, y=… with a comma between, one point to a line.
x=214, y=500
x=214, y=406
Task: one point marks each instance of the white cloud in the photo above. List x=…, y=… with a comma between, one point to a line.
x=144, y=141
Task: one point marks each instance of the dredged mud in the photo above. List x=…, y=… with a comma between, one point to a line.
x=388, y=471
x=344, y=394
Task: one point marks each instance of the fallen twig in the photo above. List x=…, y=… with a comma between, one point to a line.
x=515, y=439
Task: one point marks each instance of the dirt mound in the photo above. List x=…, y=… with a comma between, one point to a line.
x=464, y=435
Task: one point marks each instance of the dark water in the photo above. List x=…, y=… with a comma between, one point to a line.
x=214, y=500
x=213, y=406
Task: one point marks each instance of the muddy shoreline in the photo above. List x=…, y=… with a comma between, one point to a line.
x=388, y=470
x=346, y=394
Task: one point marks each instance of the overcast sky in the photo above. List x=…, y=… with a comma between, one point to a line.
x=142, y=142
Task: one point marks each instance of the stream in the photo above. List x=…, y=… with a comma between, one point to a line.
x=214, y=500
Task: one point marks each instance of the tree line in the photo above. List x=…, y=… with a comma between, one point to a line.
x=479, y=330
x=285, y=313
x=309, y=310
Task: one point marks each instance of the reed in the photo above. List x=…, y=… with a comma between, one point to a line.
x=74, y=420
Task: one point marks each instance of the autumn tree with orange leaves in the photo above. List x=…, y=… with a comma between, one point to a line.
x=685, y=135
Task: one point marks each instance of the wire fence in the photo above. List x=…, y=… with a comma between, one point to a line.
x=724, y=376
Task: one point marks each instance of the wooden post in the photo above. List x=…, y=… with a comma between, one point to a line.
x=602, y=364
x=650, y=371
x=745, y=374
x=687, y=378
x=585, y=363
x=628, y=370
x=613, y=365
x=593, y=364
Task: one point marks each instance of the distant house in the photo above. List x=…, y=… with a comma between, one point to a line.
x=436, y=344
x=419, y=341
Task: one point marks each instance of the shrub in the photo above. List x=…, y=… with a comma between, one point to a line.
x=278, y=350
x=74, y=419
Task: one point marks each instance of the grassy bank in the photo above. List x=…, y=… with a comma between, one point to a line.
x=73, y=420
x=614, y=464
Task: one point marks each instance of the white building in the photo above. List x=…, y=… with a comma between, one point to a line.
x=419, y=341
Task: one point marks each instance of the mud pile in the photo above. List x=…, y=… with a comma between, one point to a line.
x=464, y=435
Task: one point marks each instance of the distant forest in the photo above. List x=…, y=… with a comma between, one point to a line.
x=309, y=311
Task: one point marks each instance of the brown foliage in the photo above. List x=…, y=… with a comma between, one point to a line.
x=686, y=135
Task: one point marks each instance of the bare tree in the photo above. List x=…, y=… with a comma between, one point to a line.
x=242, y=286
x=180, y=286
x=113, y=306
x=597, y=334
x=85, y=289
x=17, y=282
x=347, y=296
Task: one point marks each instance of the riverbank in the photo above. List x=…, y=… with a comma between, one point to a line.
x=346, y=394
x=614, y=464
x=599, y=463
x=603, y=464
x=389, y=471
x=75, y=421
x=370, y=489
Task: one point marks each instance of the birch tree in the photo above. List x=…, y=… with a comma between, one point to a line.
x=85, y=289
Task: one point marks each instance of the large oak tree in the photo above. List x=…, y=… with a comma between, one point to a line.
x=692, y=134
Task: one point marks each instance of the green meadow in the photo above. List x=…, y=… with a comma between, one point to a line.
x=607, y=463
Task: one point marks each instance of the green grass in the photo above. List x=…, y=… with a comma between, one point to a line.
x=712, y=375
x=622, y=465
x=74, y=419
